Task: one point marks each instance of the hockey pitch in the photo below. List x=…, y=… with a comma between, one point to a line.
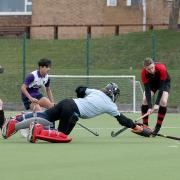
x=88, y=157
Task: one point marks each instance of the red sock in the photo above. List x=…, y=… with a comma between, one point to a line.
x=161, y=114
x=144, y=109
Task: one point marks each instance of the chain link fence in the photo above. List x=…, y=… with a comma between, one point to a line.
x=113, y=55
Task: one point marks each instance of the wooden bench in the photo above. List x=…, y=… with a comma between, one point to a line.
x=12, y=31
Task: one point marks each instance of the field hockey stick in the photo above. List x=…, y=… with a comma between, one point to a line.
x=114, y=134
x=93, y=132
x=169, y=137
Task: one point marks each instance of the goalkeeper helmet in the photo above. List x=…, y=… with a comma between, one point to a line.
x=112, y=91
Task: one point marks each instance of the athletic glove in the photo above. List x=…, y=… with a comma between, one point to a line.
x=146, y=131
x=80, y=91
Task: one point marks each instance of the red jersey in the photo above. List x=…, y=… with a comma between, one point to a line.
x=161, y=74
x=160, y=80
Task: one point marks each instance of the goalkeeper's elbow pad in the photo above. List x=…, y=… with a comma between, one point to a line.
x=80, y=91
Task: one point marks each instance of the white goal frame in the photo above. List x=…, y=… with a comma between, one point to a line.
x=133, y=78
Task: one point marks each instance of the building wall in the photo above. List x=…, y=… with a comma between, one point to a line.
x=18, y=22
x=14, y=20
x=82, y=12
x=87, y=12
x=158, y=12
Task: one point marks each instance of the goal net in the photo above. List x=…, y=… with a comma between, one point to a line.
x=63, y=86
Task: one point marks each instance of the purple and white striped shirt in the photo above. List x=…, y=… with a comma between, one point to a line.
x=34, y=81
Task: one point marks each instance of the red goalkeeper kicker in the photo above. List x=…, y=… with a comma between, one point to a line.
x=54, y=140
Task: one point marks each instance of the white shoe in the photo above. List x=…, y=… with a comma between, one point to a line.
x=24, y=132
x=32, y=133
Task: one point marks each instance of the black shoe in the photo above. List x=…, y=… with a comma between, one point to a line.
x=156, y=130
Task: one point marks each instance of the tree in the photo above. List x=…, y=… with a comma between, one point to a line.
x=174, y=15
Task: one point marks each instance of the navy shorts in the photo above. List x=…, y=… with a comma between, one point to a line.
x=27, y=102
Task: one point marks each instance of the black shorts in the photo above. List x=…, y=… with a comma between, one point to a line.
x=27, y=102
x=62, y=110
x=154, y=86
x=67, y=112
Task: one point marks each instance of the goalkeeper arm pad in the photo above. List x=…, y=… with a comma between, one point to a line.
x=80, y=91
x=124, y=121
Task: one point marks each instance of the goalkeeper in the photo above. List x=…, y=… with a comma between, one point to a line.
x=155, y=78
x=90, y=103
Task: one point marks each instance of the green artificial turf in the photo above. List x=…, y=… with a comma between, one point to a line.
x=88, y=157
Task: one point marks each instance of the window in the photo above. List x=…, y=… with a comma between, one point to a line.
x=111, y=2
x=15, y=7
x=133, y=2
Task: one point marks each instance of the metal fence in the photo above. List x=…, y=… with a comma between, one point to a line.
x=112, y=55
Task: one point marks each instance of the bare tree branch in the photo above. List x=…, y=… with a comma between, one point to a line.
x=174, y=15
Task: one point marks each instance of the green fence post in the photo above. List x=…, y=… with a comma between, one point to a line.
x=154, y=54
x=154, y=46
x=88, y=39
x=88, y=54
x=24, y=55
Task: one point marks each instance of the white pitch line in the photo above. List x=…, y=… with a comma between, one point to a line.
x=173, y=146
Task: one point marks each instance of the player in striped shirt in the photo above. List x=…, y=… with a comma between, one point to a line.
x=30, y=94
x=30, y=90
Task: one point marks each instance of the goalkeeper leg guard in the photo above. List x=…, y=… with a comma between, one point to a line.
x=9, y=128
x=34, y=130
x=37, y=132
x=54, y=139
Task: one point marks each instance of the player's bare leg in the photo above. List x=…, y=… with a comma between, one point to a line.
x=45, y=103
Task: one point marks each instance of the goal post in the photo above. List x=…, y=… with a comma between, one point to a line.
x=63, y=86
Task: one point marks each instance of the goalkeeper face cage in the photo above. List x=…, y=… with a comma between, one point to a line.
x=113, y=91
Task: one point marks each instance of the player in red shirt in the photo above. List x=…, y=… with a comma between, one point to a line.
x=155, y=78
